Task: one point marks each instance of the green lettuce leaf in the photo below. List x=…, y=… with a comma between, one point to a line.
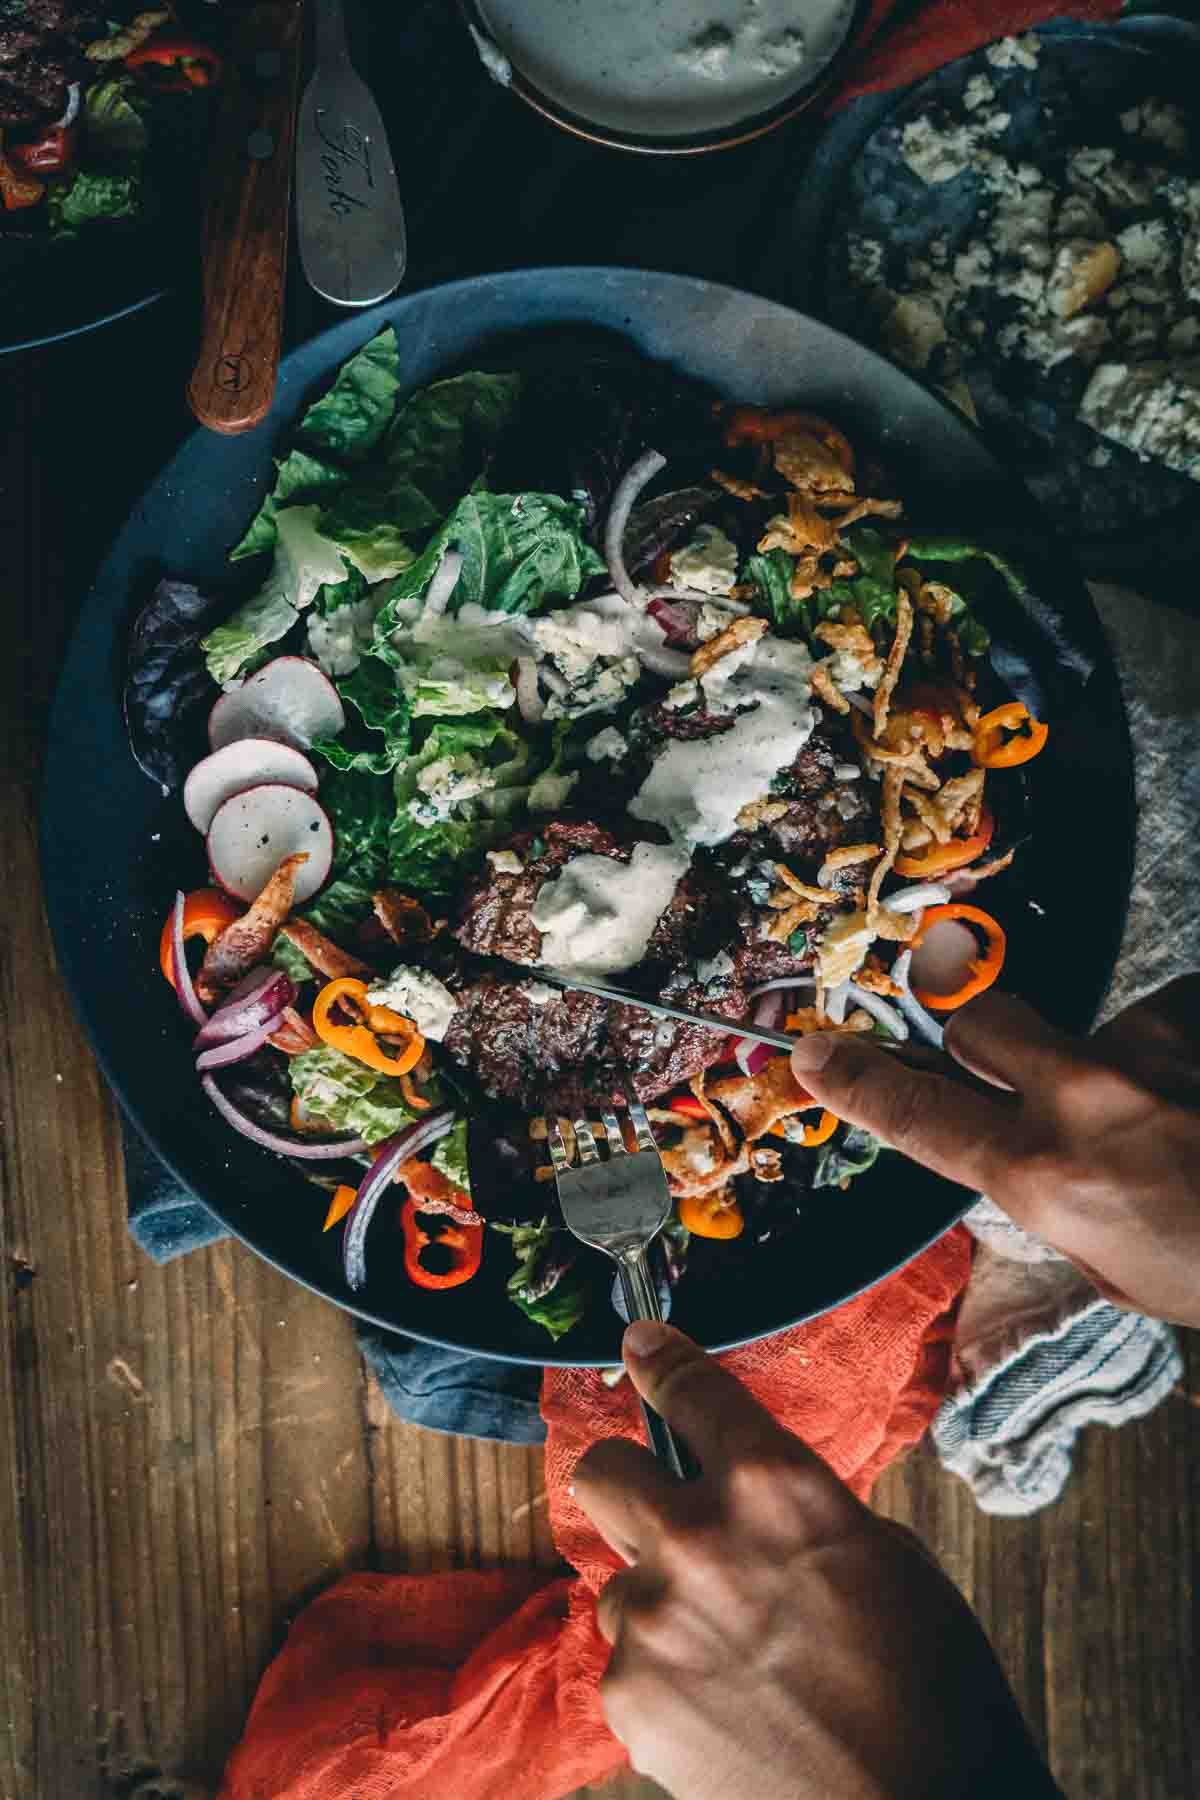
x=304, y=562
x=440, y=441
x=293, y=962
x=450, y=1156
x=360, y=808
x=360, y=527
x=348, y=1095
x=298, y=476
x=546, y=1283
x=840, y=1161
x=873, y=589
x=518, y=551
x=972, y=634
x=91, y=194
x=771, y=573
x=113, y=125
x=433, y=856
x=382, y=707
x=351, y=419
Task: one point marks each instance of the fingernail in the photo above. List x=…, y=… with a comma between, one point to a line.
x=645, y=1338
x=814, y=1051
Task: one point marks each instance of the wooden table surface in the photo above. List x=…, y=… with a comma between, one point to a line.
x=187, y=1453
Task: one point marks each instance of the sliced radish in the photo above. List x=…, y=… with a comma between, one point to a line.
x=245, y=764
x=252, y=832
x=942, y=961
x=290, y=700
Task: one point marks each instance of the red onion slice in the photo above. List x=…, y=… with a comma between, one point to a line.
x=782, y=981
x=924, y=1024
x=239, y=1048
x=880, y=1011
x=529, y=701
x=185, y=988
x=271, y=1140
x=750, y=1056
x=629, y=487
x=443, y=584
x=396, y=1150
x=262, y=995
x=914, y=899
x=835, y=1003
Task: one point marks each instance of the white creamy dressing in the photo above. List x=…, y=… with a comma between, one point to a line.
x=597, y=915
x=696, y=790
x=668, y=68
x=417, y=995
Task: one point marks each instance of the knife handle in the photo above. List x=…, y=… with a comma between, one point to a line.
x=246, y=223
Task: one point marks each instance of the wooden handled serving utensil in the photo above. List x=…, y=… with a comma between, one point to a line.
x=246, y=221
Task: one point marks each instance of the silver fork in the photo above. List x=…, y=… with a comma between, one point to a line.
x=620, y=1205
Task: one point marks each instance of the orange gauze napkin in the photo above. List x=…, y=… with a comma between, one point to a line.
x=901, y=44
x=470, y=1686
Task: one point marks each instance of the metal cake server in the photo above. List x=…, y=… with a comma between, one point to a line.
x=349, y=218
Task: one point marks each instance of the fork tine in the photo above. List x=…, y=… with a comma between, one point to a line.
x=616, y=1143
x=641, y=1124
x=585, y=1143
x=558, y=1151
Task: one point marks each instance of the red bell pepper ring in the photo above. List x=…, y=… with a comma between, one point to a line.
x=439, y=1252
x=48, y=154
x=176, y=65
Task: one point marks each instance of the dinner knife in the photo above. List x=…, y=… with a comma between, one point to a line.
x=246, y=222
x=711, y=1021
x=349, y=217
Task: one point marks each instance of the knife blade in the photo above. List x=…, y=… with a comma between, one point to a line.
x=349, y=217
x=779, y=1040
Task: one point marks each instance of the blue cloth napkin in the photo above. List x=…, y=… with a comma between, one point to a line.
x=443, y=1390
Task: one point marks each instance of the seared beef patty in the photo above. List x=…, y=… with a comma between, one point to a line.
x=41, y=43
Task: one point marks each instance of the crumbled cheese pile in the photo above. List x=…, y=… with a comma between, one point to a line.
x=1096, y=262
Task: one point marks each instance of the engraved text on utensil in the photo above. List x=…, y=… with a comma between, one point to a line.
x=345, y=158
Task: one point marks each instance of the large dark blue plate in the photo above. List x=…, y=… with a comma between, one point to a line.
x=115, y=848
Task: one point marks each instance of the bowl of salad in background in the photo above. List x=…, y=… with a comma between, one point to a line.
x=104, y=116
x=370, y=483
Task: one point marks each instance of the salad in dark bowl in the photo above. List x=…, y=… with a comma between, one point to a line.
x=567, y=661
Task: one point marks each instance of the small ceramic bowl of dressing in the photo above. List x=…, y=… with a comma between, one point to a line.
x=666, y=77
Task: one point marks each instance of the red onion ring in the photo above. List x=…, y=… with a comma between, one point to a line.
x=923, y=1023
x=185, y=988
x=390, y=1155
x=263, y=994
x=271, y=1140
x=239, y=1048
x=443, y=584
x=530, y=702
x=782, y=981
x=880, y=1011
x=628, y=488
x=913, y=899
x=835, y=1003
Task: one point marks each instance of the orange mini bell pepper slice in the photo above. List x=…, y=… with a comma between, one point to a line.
x=710, y=1216
x=993, y=750
x=821, y=1132
x=206, y=913
x=343, y=1199
x=936, y=859
x=358, y=1038
x=982, y=970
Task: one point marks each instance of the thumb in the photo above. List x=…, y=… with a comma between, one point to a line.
x=949, y=1127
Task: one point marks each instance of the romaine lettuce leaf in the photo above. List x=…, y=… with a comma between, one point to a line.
x=348, y=1095
x=771, y=573
x=359, y=525
x=91, y=194
x=304, y=562
x=518, y=551
x=350, y=420
x=113, y=125
x=440, y=441
x=546, y=1283
x=298, y=476
x=873, y=589
x=431, y=856
x=382, y=706
x=450, y=1156
x=839, y=1162
x=293, y=962
x=360, y=808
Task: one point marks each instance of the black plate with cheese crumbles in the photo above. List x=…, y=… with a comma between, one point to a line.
x=1022, y=230
x=686, y=671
